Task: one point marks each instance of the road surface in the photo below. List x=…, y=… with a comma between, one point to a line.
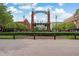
x=39, y=47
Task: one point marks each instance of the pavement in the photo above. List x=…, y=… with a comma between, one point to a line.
x=39, y=47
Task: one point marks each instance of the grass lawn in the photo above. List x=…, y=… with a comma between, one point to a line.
x=6, y=37
x=71, y=37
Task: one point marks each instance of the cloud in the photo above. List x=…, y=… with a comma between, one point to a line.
x=27, y=6
x=59, y=11
x=62, y=14
x=60, y=4
x=34, y=4
x=13, y=10
x=44, y=8
x=39, y=8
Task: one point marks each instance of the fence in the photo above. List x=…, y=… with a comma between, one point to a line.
x=34, y=34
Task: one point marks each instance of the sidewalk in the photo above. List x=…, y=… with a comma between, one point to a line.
x=39, y=47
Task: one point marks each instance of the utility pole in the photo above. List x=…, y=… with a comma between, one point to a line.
x=56, y=22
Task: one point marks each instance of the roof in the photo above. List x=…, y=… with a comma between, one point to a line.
x=70, y=19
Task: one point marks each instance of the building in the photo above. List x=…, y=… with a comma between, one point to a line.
x=25, y=22
x=74, y=19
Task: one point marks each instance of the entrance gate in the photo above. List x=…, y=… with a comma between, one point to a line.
x=48, y=19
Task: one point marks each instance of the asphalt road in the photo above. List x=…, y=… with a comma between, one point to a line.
x=39, y=47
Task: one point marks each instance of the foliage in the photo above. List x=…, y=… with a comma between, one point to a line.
x=70, y=25
x=58, y=27
x=14, y=25
x=36, y=28
x=5, y=16
x=65, y=26
x=21, y=26
x=11, y=25
x=40, y=33
x=77, y=11
x=61, y=26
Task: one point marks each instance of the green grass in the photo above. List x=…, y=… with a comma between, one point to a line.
x=6, y=37
x=71, y=37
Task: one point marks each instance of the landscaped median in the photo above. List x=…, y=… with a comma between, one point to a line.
x=54, y=34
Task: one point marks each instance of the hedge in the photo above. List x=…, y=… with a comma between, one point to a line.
x=40, y=33
x=14, y=34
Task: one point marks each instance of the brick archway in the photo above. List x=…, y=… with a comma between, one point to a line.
x=48, y=19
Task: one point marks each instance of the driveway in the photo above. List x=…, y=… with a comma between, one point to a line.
x=39, y=47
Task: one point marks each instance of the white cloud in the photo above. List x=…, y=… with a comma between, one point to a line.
x=48, y=7
x=60, y=4
x=62, y=14
x=27, y=6
x=59, y=11
x=34, y=4
x=43, y=8
x=13, y=10
x=39, y=9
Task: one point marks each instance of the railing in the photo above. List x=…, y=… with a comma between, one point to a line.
x=34, y=34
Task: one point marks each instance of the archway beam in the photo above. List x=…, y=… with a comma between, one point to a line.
x=48, y=19
x=45, y=12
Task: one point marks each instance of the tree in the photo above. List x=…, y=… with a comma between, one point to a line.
x=11, y=25
x=58, y=27
x=16, y=26
x=65, y=26
x=36, y=28
x=70, y=25
x=77, y=11
x=21, y=26
x=5, y=16
x=61, y=26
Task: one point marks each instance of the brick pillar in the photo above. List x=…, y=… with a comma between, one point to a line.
x=48, y=21
x=32, y=21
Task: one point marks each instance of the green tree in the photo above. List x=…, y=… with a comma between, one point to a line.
x=70, y=25
x=61, y=26
x=65, y=26
x=15, y=26
x=58, y=27
x=77, y=11
x=36, y=28
x=5, y=16
x=21, y=26
x=11, y=25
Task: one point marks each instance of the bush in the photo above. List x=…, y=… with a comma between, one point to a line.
x=12, y=26
x=21, y=26
x=40, y=33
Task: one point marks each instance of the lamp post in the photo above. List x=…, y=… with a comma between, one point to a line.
x=56, y=22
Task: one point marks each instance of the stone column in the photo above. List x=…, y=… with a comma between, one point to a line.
x=32, y=21
x=48, y=21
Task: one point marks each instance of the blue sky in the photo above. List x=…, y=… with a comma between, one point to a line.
x=61, y=10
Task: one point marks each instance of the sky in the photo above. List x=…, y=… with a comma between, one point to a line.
x=61, y=10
